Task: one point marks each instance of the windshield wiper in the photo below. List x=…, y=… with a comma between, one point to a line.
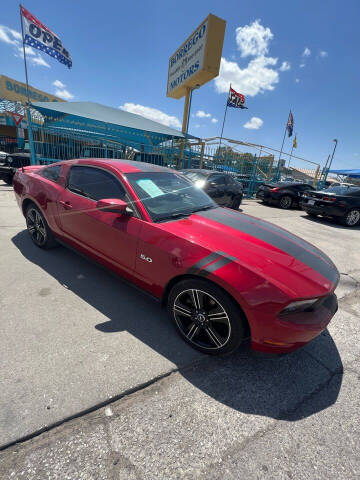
x=205, y=207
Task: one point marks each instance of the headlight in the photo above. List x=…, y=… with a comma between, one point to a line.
x=199, y=183
x=299, y=306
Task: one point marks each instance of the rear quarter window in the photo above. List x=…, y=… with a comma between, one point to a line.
x=51, y=173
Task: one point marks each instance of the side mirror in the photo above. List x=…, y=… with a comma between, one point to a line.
x=113, y=205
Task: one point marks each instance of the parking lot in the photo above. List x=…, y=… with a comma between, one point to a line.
x=98, y=365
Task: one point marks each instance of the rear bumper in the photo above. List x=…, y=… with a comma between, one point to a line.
x=288, y=333
x=329, y=211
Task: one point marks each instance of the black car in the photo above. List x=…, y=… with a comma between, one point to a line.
x=221, y=187
x=284, y=195
x=11, y=163
x=341, y=203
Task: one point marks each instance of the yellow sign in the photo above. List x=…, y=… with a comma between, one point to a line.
x=198, y=59
x=15, y=91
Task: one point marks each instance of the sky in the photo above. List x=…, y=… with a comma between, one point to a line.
x=281, y=55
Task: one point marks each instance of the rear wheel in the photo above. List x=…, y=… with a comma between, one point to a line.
x=285, y=202
x=351, y=218
x=206, y=317
x=38, y=228
x=236, y=203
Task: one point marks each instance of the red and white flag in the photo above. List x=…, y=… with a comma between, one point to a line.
x=38, y=35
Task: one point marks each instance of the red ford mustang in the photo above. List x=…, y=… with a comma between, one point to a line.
x=223, y=275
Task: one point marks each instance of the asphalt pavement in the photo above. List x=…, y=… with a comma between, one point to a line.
x=75, y=339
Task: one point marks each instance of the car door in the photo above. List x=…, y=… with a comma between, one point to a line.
x=107, y=235
x=216, y=189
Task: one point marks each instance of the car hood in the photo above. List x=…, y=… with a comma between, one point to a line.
x=283, y=259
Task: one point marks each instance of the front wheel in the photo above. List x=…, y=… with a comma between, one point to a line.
x=206, y=317
x=351, y=218
x=8, y=179
x=38, y=228
x=285, y=202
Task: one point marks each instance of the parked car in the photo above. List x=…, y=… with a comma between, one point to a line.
x=11, y=163
x=221, y=187
x=219, y=272
x=339, y=202
x=284, y=195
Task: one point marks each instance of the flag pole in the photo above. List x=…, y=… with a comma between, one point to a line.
x=25, y=64
x=223, y=124
x=292, y=149
x=282, y=145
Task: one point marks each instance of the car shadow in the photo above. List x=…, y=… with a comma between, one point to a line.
x=329, y=221
x=272, y=387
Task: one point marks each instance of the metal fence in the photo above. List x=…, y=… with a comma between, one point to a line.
x=251, y=164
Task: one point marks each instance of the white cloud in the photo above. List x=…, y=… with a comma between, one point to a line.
x=202, y=114
x=285, y=66
x=323, y=54
x=306, y=52
x=64, y=94
x=297, y=80
x=152, y=114
x=197, y=125
x=8, y=35
x=302, y=65
x=256, y=78
x=38, y=60
x=61, y=91
x=58, y=84
x=214, y=120
x=254, y=124
x=14, y=38
x=253, y=39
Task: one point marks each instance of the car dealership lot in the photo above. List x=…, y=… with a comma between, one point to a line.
x=73, y=338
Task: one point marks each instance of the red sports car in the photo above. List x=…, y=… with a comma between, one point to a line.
x=224, y=276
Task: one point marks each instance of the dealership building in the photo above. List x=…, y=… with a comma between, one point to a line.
x=64, y=130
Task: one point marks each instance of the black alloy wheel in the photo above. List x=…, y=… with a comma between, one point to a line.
x=352, y=218
x=38, y=229
x=206, y=317
x=285, y=202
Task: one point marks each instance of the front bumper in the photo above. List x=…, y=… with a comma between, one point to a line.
x=288, y=333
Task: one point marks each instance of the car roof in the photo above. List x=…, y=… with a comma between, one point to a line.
x=123, y=166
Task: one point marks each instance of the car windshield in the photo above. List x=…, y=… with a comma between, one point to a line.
x=343, y=190
x=167, y=195
x=195, y=176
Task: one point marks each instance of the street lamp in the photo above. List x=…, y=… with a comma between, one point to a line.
x=332, y=156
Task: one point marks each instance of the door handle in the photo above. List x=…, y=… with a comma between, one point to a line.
x=66, y=205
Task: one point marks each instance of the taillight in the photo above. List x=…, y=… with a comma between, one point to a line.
x=274, y=189
x=329, y=199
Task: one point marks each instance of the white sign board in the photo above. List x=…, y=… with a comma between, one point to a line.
x=188, y=60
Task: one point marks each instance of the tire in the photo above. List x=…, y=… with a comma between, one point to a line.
x=285, y=202
x=8, y=179
x=38, y=229
x=236, y=203
x=351, y=218
x=206, y=317
x=311, y=214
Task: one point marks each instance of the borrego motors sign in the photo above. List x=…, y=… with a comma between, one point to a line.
x=198, y=59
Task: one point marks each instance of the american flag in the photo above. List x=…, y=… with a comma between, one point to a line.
x=235, y=99
x=38, y=35
x=290, y=124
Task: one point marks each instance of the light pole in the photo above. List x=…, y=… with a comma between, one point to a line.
x=333, y=153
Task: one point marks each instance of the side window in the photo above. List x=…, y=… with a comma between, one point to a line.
x=217, y=179
x=51, y=173
x=94, y=183
x=229, y=180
